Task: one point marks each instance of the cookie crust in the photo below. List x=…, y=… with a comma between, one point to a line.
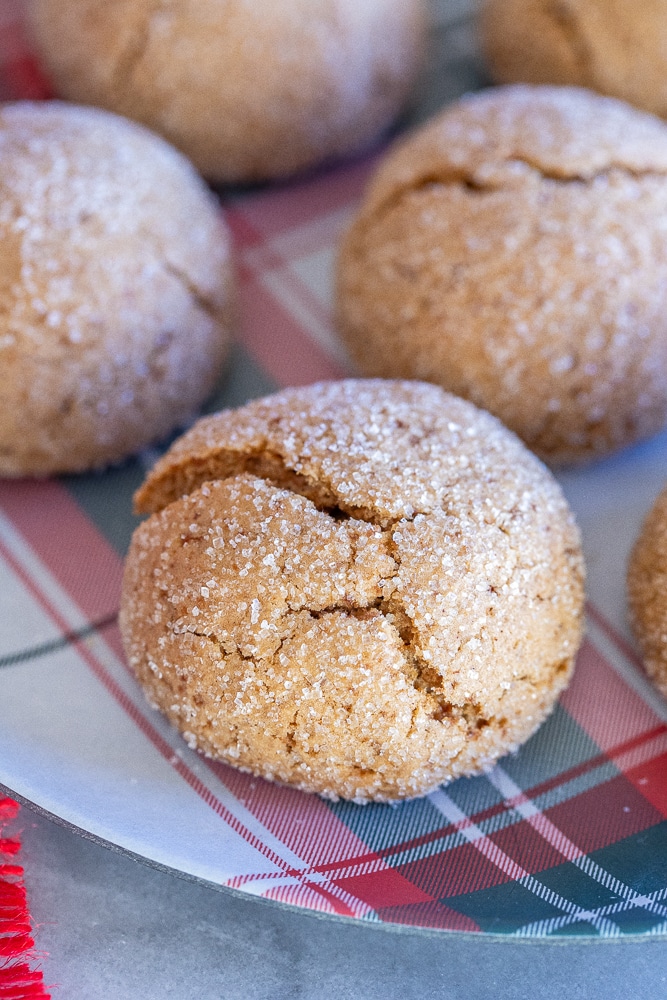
x=362, y=589
x=647, y=592
x=248, y=90
x=611, y=46
x=512, y=251
x=116, y=289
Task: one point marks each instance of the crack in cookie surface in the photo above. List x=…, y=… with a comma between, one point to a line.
x=270, y=466
x=423, y=675
x=322, y=640
x=498, y=177
x=264, y=463
x=199, y=298
x=129, y=59
x=564, y=19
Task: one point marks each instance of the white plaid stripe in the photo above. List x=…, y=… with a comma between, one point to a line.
x=444, y=804
x=516, y=799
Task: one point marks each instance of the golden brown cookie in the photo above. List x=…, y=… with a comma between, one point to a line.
x=247, y=89
x=115, y=289
x=513, y=251
x=647, y=592
x=612, y=46
x=360, y=588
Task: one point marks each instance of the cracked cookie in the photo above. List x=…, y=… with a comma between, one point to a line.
x=612, y=46
x=647, y=592
x=115, y=289
x=512, y=250
x=249, y=90
x=360, y=588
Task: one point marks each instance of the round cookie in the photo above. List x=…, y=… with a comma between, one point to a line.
x=647, y=592
x=115, y=289
x=360, y=588
x=612, y=46
x=249, y=90
x=513, y=251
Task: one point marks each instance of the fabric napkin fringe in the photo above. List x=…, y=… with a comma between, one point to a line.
x=18, y=980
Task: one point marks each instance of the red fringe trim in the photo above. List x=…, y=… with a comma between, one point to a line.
x=18, y=981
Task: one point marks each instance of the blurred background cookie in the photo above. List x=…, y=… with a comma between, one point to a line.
x=647, y=591
x=248, y=89
x=115, y=288
x=513, y=250
x=360, y=588
x=613, y=46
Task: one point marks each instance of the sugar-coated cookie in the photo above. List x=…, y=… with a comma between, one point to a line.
x=115, y=289
x=612, y=46
x=248, y=89
x=360, y=588
x=647, y=591
x=513, y=250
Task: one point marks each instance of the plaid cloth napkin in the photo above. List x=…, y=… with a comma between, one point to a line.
x=567, y=837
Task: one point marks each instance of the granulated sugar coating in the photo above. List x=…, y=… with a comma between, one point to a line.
x=513, y=251
x=647, y=591
x=115, y=289
x=360, y=588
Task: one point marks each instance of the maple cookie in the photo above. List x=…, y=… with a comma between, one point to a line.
x=512, y=250
x=647, y=592
x=115, y=289
x=360, y=588
x=248, y=89
x=612, y=46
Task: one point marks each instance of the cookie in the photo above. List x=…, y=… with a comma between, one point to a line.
x=512, y=250
x=248, y=90
x=647, y=592
x=612, y=46
x=359, y=588
x=115, y=289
